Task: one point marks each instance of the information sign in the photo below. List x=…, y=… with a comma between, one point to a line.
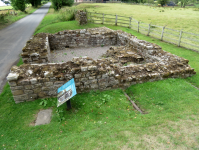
x=65, y=92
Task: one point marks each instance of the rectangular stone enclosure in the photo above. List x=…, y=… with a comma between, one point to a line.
x=128, y=61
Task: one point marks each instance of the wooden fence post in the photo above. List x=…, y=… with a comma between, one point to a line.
x=130, y=18
x=116, y=19
x=103, y=19
x=149, y=29
x=90, y=18
x=180, y=38
x=162, y=33
x=138, y=25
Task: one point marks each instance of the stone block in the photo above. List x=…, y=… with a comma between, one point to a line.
x=32, y=97
x=17, y=92
x=77, y=75
x=91, y=78
x=12, y=76
x=52, y=93
x=83, y=79
x=18, y=87
x=29, y=87
x=28, y=91
x=41, y=80
x=33, y=80
x=99, y=76
x=77, y=83
x=41, y=94
x=38, y=85
x=12, y=83
x=47, y=88
x=48, y=84
x=88, y=74
x=104, y=76
x=103, y=84
x=23, y=82
x=59, y=83
x=93, y=81
x=92, y=67
x=21, y=98
x=84, y=69
x=94, y=86
x=37, y=90
x=102, y=80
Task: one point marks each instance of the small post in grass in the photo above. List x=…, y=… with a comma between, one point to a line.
x=130, y=18
x=116, y=19
x=68, y=104
x=149, y=29
x=103, y=19
x=162, y=33
x=138, y=25
x=180, y=38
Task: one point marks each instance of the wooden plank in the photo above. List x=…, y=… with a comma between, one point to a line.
x=134, y=105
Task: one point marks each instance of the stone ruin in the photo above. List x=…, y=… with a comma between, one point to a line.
x=128, y=61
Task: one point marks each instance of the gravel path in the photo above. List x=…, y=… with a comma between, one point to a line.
x=68, y=53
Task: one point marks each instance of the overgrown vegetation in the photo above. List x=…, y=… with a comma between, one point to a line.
x=65, y=14
x=58, y=4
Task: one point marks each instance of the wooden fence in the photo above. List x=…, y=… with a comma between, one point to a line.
x=178, y=37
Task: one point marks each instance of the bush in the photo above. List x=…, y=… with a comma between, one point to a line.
x=162, y=2
x=66, y=14
x=57, y=4
x=68, y=3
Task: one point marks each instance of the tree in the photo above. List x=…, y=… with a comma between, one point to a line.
x=18, y=4
x=184, y=3
x=162, y=2
x=57, y=4
x=6, y=2
x=21, y=4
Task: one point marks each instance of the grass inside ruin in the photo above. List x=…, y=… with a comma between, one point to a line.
x=107, y=120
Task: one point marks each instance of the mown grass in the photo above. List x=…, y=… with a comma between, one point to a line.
x=107, y=120
x=175, y=18
x=5, y=7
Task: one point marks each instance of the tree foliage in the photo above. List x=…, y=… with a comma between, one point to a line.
x=184, y=3
x=162, y=2
x=57, y=4
x=21, y=4
x=18, y=4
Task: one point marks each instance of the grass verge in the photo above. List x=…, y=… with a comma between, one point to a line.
x=12, y=18
x=107, y=120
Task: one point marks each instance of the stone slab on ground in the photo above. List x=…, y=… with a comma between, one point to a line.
x=44, y=117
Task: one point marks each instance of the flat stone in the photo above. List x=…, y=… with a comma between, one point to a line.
x=17, y=92
x=12, y=76
x=33, y=80
x=44, y=117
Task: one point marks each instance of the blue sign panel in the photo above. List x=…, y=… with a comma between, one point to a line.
x=65, y=92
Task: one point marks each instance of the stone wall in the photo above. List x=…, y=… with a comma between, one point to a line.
x=81, y=17
x=36, y=50
x=132, y=61
x=92, y=37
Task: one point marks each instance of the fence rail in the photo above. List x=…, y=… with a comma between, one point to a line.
x=178, y=37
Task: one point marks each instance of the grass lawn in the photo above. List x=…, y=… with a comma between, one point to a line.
x=107, y=120
x=175, y=18
x=5, y=7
